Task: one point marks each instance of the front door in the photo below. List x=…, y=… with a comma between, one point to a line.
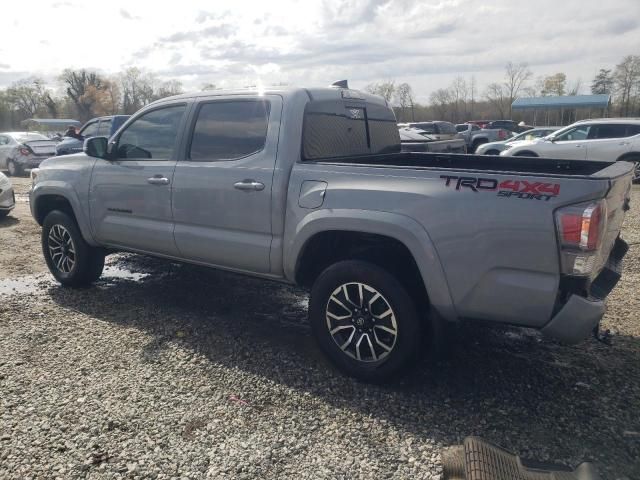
x=570, y=144
x=222, y=189
x=130, y=195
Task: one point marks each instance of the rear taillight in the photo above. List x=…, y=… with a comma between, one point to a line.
x=502, y=135
x=24, y=151
x=580, y=231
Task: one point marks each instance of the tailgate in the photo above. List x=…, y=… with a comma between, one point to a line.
x=618, y=201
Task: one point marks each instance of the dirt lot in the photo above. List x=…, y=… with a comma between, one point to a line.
x=171, y=371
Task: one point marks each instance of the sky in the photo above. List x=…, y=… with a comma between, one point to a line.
x=426, y=43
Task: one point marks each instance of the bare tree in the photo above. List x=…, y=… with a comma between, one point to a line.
x=137, y=90
x=405, y=99
x=459, y=93
x=441, y=100
x=515, y=78
x=384, y=89
x=472, y=91
x=627, y=77
x=575, y=87
x=498, y=98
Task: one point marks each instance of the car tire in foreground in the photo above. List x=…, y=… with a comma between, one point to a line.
x=71, y=260
x=365, y=321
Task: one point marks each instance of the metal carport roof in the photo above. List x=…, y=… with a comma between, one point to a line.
x=568, y=101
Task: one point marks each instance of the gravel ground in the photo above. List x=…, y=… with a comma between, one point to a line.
x=171, y=371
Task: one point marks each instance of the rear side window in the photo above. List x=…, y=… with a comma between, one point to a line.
x=229, y=130
x=614, y=130
x=152, y=135
x=338, y=129
x=633, y=130
x=104, y=129
x=446, y=128
x=90, y=130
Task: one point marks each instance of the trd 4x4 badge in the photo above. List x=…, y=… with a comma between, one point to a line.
x=523, y=189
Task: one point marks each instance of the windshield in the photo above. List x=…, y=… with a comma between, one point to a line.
x=29, y=137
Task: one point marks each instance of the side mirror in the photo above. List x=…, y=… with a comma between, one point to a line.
x=96, y=147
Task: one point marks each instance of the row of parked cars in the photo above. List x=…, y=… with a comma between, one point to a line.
x=595, y=139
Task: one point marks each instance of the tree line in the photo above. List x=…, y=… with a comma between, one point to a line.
x=461, y=100
x=83, y=95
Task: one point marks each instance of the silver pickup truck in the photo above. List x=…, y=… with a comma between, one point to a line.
x=309, y=187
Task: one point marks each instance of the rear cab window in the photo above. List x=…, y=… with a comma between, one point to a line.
x=340, y=128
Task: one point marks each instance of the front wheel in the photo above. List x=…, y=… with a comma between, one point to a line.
x=71, y=260
x=493, y=152
x=365, y=321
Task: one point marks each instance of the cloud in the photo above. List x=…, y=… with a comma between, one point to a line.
x=620, y=26
x=223, y=30
x=127, y=16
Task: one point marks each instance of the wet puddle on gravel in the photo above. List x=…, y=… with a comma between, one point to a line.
x=32, y=284
x=24, y=285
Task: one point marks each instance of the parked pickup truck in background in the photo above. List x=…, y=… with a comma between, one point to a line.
x=474, y=136
x=416, y=140
x=309, y=187
x=438, y=129
x=96, y=127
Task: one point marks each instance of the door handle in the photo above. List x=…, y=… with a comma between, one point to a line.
x=248, y=185
x=158, y=180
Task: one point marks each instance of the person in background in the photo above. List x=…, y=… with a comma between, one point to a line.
x=73, y=132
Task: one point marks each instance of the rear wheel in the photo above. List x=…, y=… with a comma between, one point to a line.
x=475, y=145
x=13, y=168
x=71, y=260
x=365, y=321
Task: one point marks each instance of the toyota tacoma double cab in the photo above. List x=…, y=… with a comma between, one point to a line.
x=310, y=187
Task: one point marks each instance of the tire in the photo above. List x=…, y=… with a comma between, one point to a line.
x=493, y=152
x=13, y=169
x=525, y=154
x=475, y=145
x=636, y=170
x=400, y=331
x=3, y=213
x=78, y=263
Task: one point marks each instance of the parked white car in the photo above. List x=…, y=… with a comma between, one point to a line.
x=598, y=139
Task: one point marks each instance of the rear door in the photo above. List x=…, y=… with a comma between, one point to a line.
x=570, y=144
x=130, y=196
x=222, y=188
x=608, y=141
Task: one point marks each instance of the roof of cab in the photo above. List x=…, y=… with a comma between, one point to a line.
x=322, y=93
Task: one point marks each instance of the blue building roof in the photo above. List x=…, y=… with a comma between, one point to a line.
x=568, y=101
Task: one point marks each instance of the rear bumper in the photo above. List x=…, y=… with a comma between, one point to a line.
x=580, y=315
x=7, y=199
x=31, y=162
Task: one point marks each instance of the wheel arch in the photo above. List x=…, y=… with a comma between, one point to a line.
x=43, y=201
x=366, y=235
x=628, y=156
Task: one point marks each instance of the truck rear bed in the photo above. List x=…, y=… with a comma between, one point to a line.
x=483, y=163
